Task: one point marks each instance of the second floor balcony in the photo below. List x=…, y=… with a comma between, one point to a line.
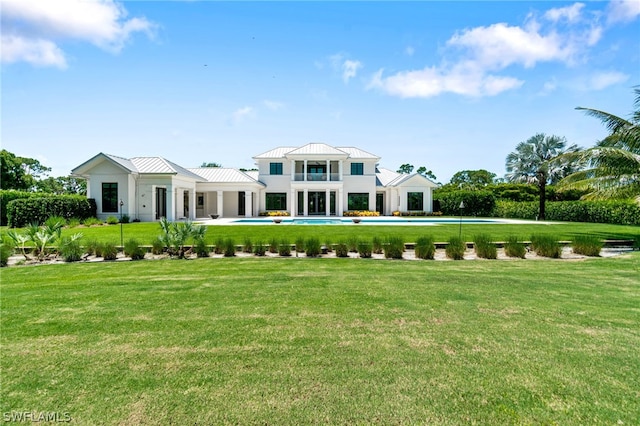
x=317, y=177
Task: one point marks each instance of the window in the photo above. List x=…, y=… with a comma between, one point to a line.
x=109, y=197
x=275, y=168
x=276, y=200
x=415, y=201
x=357, y=169
x=358, y=201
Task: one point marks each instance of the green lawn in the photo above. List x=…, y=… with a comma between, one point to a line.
x=331, y=341
x=145, y=233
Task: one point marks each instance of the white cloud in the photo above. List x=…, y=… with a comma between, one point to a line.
x=241, y=114
x=273, y=105
x=350, y=69
x=35, y=51
x=347, y=68
x=602, y=80
x=570, y=13
x=474, y=57
x=409, y=50
x=29, y=25
x=622, y=11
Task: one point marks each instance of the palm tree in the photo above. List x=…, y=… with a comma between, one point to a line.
x=614, y=163
x=535, y=161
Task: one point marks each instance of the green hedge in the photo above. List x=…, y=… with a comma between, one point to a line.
x=618, y=212
x=476, y=203
x=8, y=195
x=24, y=211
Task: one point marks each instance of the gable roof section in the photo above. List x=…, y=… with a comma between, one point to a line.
x=279, y=152
x=121, y=162
x=386, y=177
x=317, y=149
x=159, y=165
x=357, y=153
x=223, y=175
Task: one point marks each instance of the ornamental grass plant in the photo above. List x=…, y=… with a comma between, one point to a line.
x=484, y=247
x=587, y=245
x=425, y=248
x=513, y=247
x=455, y=248
x=546, y=246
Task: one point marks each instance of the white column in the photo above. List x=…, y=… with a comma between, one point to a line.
x=340, y=170
x=340, y=196
x=304, y=171
x=293, y=202
x=220, y=209
x=372, y=201
x=328, y=170
x=306, y=202
x=248, y=205
x=192, y=204
x=327, y=203
x=293, y=170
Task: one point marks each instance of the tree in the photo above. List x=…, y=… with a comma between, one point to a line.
x=613, y=165
x=422, y=170
x=536, y=160
x=63, y=185
x=405, y=169
x=205, y=164
x=472, y=179
x=19, y=173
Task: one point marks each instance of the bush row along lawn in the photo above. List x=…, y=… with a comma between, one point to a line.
x=332, y=341
x=145, y=233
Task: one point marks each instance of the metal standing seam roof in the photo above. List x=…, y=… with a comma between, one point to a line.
x=385, y=176
x=357, y=153
x=124, y=162
x=159, y=165
x=279, y=152
x=223, y=175
x=317, y=149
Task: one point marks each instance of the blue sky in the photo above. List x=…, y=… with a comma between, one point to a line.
x=447, y=85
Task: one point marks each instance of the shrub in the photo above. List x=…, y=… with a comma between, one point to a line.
x=284, y=248
x=356, y=213
x=125, y=218
x=377, y=245
x=484, y=247
x=546, y=245
x=394, y=248
x=133, y=250
x=425, y=248
x=299, y=245
x=476, y=203
x=112, y=220
x=74, y=222
x=617, y=212
x=157, y=246
x=109, y=251
x=352, y=243
x=514, y=248
x=90, y=247
x=259, y=249
x=201, y=248
x=219, y=246
x=587, y=245
x=273, y=245
x=342, y=250
x=456, y=248
x=91, y=221
x=274, y=213
x=229, y=248
x=24, y=211
x=5, y=251
x=364, y=249
x=312, y=247
x=99, y=249
x=248, y=245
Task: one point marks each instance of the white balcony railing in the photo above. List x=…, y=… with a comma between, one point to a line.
x=317, y=177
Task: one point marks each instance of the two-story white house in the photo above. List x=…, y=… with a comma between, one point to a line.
x=312, y=180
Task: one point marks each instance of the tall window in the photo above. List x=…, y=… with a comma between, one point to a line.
x=276, y=200
x=109, y=197
x=357, y=169
x=275, y=168
x=358, y=201
x=415, y=201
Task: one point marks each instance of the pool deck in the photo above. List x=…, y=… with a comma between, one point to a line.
x=373, y=220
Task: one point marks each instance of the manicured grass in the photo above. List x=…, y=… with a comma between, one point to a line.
x=145, y=233
x=331, y=341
